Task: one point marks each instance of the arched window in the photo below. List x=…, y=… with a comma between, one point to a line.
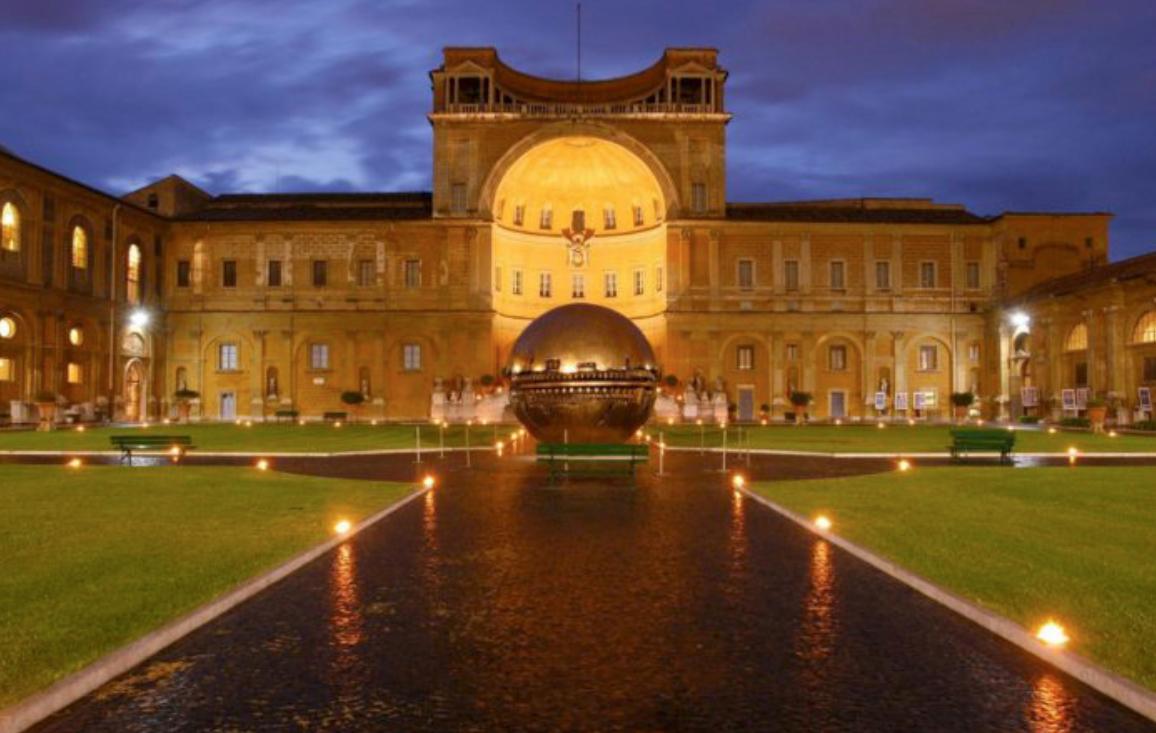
x=1146, y=329
x=79, y=248
x=182, y=378
x=10, y=228
x=132, y=275
x=271, y=385
x=1077, y=338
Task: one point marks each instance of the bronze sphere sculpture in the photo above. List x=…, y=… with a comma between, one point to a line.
x=582, y=373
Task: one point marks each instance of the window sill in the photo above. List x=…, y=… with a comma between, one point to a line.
x=229, y=371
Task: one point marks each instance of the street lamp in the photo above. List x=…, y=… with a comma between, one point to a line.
x=139, y=318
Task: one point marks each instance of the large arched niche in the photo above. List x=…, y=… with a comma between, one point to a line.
x=593, y=174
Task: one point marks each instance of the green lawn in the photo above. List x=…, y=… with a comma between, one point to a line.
x=1077, y=543
x=284, y=438
x=95, y=557
x=893, y=438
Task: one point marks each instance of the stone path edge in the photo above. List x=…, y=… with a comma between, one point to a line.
x=1104, y=681
x=62, y=693
x=819, y=454
x=248, y=454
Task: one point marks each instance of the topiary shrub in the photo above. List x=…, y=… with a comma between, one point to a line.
x=1029, y=419
x=352, y=397
x=1144, y=425
x=1076, y=422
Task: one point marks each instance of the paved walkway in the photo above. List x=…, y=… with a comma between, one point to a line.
x=495, y=603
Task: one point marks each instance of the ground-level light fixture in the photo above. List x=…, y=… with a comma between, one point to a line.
x=262, y=465
x=301, y=422
x=823, y=522
x=1072, y=452
x=166, y=421
x=337, y=424
x=904, y=464
x=838, y=422
x=738, y=481
x=80, y=429
x=1111, y=433
x=880, y=425
x=428, y=481
x=373, y=422
x=1052, y=634
x=174, y=450
x=910, y=421
x=139, y=318
x=1051, y=431
x=75, y=463
x=342, y=527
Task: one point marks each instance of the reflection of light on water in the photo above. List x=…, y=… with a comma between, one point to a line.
x=737, y=543
x=346, y=620
x=818, y=622
x=1051, y=705
x=429, y=519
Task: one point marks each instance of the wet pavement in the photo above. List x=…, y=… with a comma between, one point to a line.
x=495, y=603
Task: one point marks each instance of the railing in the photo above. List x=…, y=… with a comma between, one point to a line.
x=582, y=110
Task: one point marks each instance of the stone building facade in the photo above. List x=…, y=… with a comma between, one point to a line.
x=548, y=192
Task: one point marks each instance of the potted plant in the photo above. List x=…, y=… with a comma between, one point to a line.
x=963, y=402
x=353, y=398
x=185, y=397
x=45, y=401
x=800, y=400
x=487, y=381
x=1097, y=413
x=671, y=381
x=764, y=411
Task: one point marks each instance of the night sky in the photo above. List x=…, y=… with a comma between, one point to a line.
x=1008, y=105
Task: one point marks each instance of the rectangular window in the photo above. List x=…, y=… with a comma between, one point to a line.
x=973, y=276
x=413, y=274
x=411, y=357
x=458, y=198
x=497, y=279
x=639, y=282
x=6, y=370
x=229, y=273
x=546, y=218
x=928, y=358
x=519, y=214
x=1082, y=374
x=609, y=220
x=227, y=357
x=698, y=198
x=74, y=373
x=1150, y=368
x=791, y=274
x=639, y=217
x=516, y=285
x=837, y=358
x=365, y=273
x=837, y=282
x=927, y=274
x=320, y=273
x=184, y=272
x=746, y=274
x=745, y=358
x=274, y=274
x=883, y=275
x=577, y=285
x=319, y=356
x=658, y=279
x=545, y=284
x=610, y=284
x=792, y=352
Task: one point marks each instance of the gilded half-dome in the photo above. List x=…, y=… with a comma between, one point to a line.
x=583, y=374
x=613, y=187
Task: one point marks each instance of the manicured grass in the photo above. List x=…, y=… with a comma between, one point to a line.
x=284, y=438
x=893, y=438
x=97, y=556
x=1074, y=543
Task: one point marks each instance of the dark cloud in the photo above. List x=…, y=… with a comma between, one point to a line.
x=1033, y=104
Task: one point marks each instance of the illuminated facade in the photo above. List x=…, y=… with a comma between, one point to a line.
x=544, y=193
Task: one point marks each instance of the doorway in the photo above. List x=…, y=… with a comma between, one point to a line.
x=746, y=403
x=838, y=403
x=133, y=392
x=228, y=406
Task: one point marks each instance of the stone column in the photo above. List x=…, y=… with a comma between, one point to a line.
x=713, y=263
x=257, y=377
x=867, y=378
x=899, y=372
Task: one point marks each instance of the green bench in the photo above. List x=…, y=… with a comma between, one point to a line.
x=334, y=416
x=285, y=415
x=977, y=440
x=126, y=444
x=592, y=459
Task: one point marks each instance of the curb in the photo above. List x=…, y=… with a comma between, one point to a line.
x=246, y=454
x=978, y=454
x=64, y=692
x=1122, y=690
